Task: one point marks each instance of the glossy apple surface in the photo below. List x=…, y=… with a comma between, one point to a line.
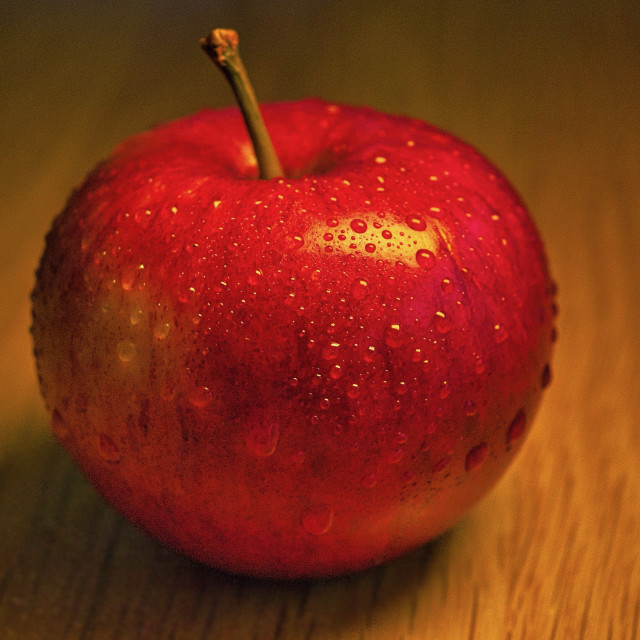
x=301, y=376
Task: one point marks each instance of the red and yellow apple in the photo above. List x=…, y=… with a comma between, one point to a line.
x=297, y=376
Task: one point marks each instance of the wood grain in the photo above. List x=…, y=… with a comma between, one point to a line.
x=552, y=94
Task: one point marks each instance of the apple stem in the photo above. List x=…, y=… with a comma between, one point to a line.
x=221, y=45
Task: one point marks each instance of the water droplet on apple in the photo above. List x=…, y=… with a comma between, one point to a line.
x=516, y=428
x=447, y=285
x=370, y=354
x=353, y=391
x=108, y=449
x=443, y=322
x=336, y=372
x=386, y=234
x=500, y=333
x=200, y=397
x=416, y=222
x=359, y=288
x=126, y=350
x=395, y=456
x=331, y=351
x=358, y=225
x=480, y=365
x=445, y=390
x=127, y=281
x=332, y=222
x=161, y=330
x=255, y=277
x=187, y=295
x=317, y=520
x=393, y=336
x=136, y=315
x=369, y=480
x=59, y=427
x=470, y=408
x=262, y=439
x=328, y=237
x=425, y=258
x=294, y=242
x=476, y=457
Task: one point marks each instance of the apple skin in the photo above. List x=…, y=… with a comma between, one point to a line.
x=294, y=377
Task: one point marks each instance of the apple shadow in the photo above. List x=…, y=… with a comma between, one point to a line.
x=79, y=570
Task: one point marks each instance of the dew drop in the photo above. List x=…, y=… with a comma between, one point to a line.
x=425, y=258
x=126, y=350
x=516, y=428
x=416, y=222
x=161, y=330
x=108, y=449
x=59, y=426
x=395, y=456
x=369, y=247
x=294, y=242
x=200, y=397
x=470, y=408
x=262, y=439
x=331, y=351
x=255, y=277
x=128, y=279
x=332, y=222
x=336, y=372
x=317, y=520
x=500, y=333
x=386, y=234
x=358, y=225
x=369, y=354
x=136, y=315
x=443, y=322
x=353, y=391
x=393, y=337
x=369, y=480
x=328, y=237
x=187, y=295
x=447, y=285
x=476, y=457
x=480, y=365
x=359, y=288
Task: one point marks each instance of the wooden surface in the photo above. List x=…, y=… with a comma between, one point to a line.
x=551, y=92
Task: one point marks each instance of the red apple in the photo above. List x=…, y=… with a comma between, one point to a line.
x=297, y=376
